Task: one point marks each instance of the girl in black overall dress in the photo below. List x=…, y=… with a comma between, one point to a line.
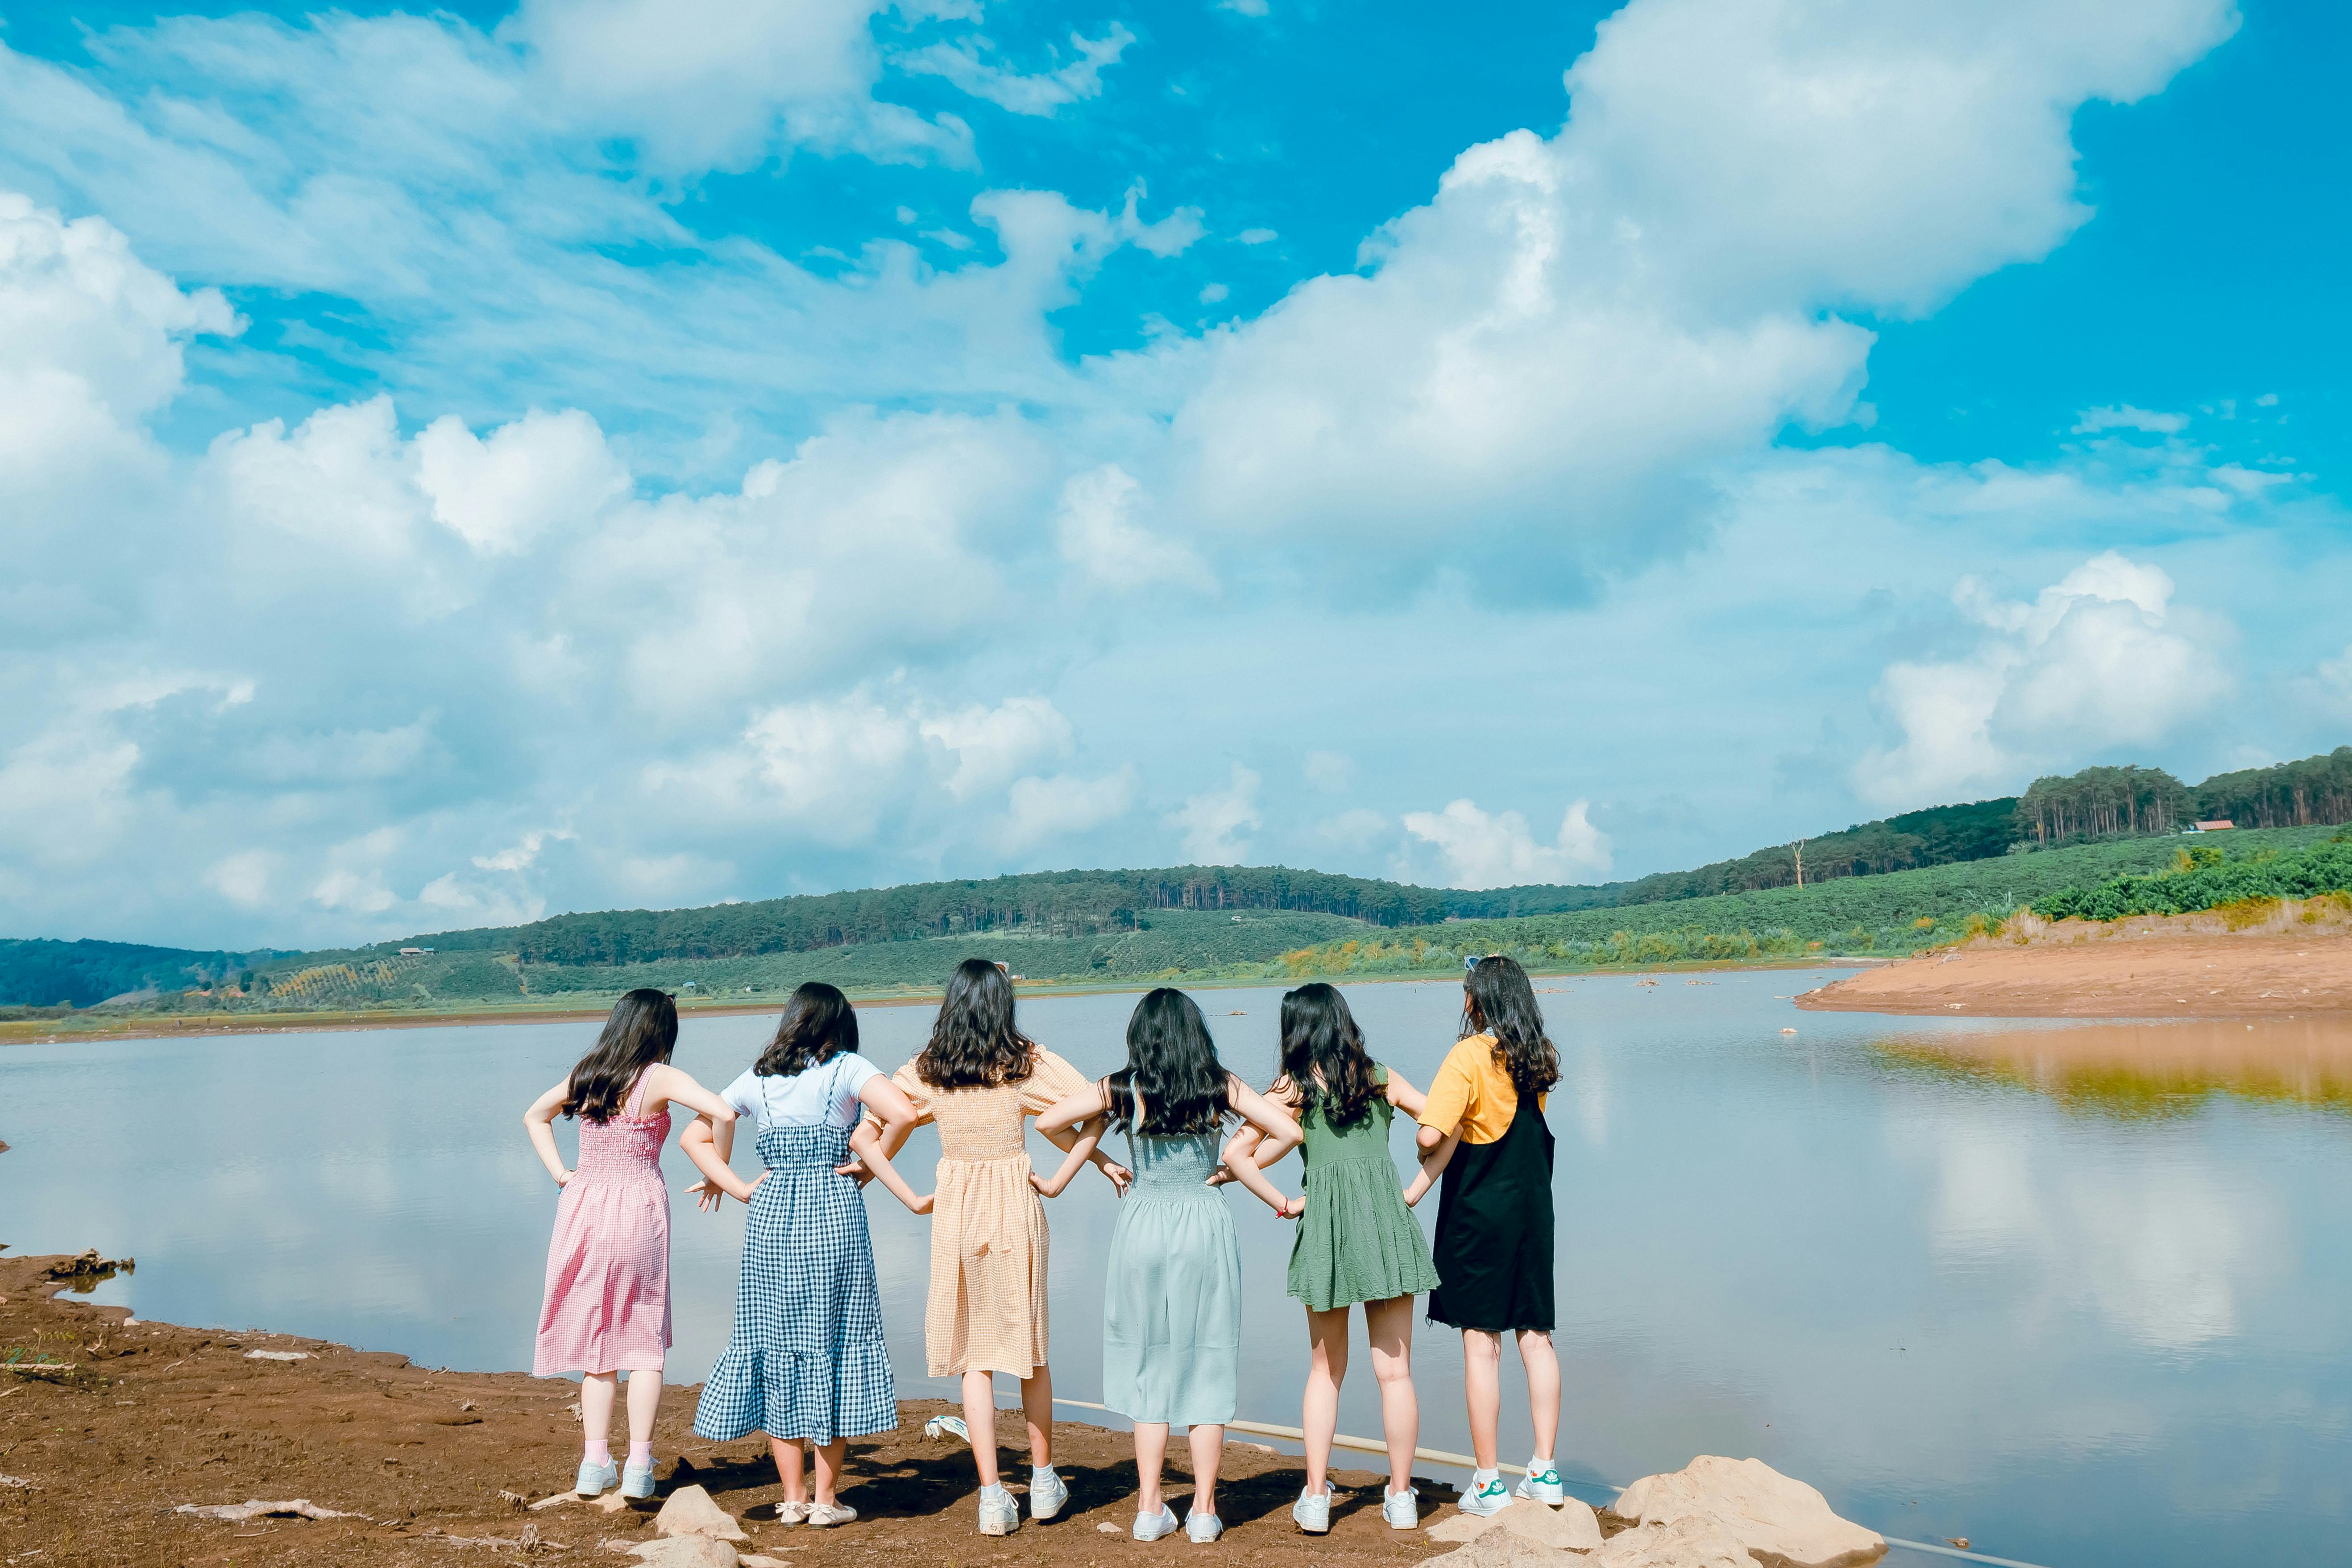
x=1482, y=1127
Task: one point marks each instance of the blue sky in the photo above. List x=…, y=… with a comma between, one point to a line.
x=493, y=461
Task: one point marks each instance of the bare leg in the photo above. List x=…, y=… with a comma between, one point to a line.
x=597, y=1392
x=786, y=1452
x=1482, y=1385
x=980, y=1420
x=1037, y=1404
x=1326, y=1340
x=644, y=1403
x=1151, y=1455
x=1389, y=1326
x=1208, y=1452
x=1536, y=1353
x=829, y=1460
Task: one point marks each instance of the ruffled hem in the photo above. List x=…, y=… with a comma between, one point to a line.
x=799, y=1395
x=1357, y=1241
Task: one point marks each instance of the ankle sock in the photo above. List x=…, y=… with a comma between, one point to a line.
x=597, y=1454
x=1480, y=1477
x=1036, y=1471
x=641, y=1453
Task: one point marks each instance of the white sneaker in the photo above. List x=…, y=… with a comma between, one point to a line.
x=637, y=1481
x=595, y=1477
x=1487, y=1495
x=1542, y=1484
x=1401, y=1509
x=1047, y=1493
x=1202, y=1528
x=1152, y=1526
x=825, y=1515
x=1312, y=1511
x=999, y=1514
x=790, y=1512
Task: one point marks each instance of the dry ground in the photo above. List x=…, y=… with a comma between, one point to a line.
x=143, y=1417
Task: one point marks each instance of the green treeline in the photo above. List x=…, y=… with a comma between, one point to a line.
x=2103, y=802
x=2205, y=878
x=1938, y=835
x=40, y=973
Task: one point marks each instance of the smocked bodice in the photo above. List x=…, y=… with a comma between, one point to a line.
x=1178, y=1167
x=625, y=1147
x=979, y=1123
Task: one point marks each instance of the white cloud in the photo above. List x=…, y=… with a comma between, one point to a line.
x=1214, y=821
x=1500, y=851
x=1213, y=293
x=2332, y=681
x=1100, y=537
x=966, y=63
x=2100, y=658
x=540, y=471
x=2091, y=421
x=523, y=854
x=1256, y=235
x=993, y=744
x=1543, y=365
x=1244, y=7
x=1044, y=809
x=243, y=878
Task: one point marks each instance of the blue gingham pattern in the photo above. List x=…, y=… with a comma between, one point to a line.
x=807, y=1359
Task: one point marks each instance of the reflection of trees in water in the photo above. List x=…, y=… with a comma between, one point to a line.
x=2152, y=1072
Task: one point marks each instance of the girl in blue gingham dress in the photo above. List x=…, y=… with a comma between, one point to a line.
x=807, y=1363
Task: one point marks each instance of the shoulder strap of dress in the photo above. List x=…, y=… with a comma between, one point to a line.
x=634, y=1102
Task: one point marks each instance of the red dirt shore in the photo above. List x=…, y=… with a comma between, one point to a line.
x=2181, y=967
x=136, y=1418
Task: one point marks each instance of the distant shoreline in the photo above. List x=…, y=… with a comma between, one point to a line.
x=208, y=1026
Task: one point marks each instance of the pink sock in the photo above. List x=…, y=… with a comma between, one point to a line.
x=599, y=1452
x=641, y=1453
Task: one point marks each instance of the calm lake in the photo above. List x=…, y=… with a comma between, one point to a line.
x=1972, y=1279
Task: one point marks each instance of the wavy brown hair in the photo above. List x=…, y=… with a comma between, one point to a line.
x=1500, y=1002
x=641, y=1030
x=973, y=1042
x=1323, y=1056
x=818, y=1025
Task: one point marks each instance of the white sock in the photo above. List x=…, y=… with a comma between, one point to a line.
x=1480, y=1477
x=1539, y=1464
x=1041, y=1469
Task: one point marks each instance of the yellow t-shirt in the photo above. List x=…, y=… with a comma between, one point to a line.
x=1473, y=1093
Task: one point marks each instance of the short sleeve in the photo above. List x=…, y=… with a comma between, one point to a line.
x=1050, y=1082
x=851, y=1073
x=1450, y=1093
x=742, y=1096
x=911, y=1084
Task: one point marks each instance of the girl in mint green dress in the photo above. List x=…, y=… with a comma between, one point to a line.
x=1357, y=1241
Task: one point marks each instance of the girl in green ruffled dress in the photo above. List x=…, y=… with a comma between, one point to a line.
x=1356, y=1243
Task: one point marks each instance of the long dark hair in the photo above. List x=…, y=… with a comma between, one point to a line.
x=818, y=1025
x=1172, y=1063
x=973, y=1042
x=1502, y=1003
x=1323, y=1056
x=643, y=1030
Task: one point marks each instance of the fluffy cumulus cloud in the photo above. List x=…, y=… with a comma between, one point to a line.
x=563, y=547
x=2100, y=658
x=1499, y=850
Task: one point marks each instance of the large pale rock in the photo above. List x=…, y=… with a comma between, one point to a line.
x=1571, y=1527
x=1500, y=1548
x=1773, y=1516
x=685, y=1551
x=1685, y=1543
x=1461, y=1527
x=691, y=1511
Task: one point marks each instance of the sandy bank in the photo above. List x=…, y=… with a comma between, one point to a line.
x=2180, y=966
x=141, y=1417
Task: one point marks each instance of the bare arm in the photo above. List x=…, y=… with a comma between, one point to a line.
x=539, y=1122
x=873, y=1139
x=1281, y=1134
x=703, y=1146
x=1083, y=1106
x=666, y=1083
x=1403, y=1096
x=1433, y=1156
x=1080, y=1148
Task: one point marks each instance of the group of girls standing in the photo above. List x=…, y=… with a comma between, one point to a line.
x=807, y=1363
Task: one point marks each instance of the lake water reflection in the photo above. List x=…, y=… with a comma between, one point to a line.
x=2081, y=1296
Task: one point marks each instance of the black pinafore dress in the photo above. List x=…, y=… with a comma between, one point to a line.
x=1493, y=1244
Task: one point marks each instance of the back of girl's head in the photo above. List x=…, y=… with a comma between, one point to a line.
x=1323, y=1055
x=1502, y=1003
x=973, y=1042
x=1172, y=1063
x=818, y=1025
x=643, y=1030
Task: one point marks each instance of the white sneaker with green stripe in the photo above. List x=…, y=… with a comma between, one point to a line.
x=1542, y=1484
x=1487, y=1495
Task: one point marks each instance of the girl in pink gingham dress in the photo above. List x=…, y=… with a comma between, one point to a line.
x=607, y=1305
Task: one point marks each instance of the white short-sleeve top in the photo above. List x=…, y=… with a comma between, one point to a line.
x=823, y=1096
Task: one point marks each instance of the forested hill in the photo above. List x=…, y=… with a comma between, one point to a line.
x=84, y=974
x=1061, y=903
